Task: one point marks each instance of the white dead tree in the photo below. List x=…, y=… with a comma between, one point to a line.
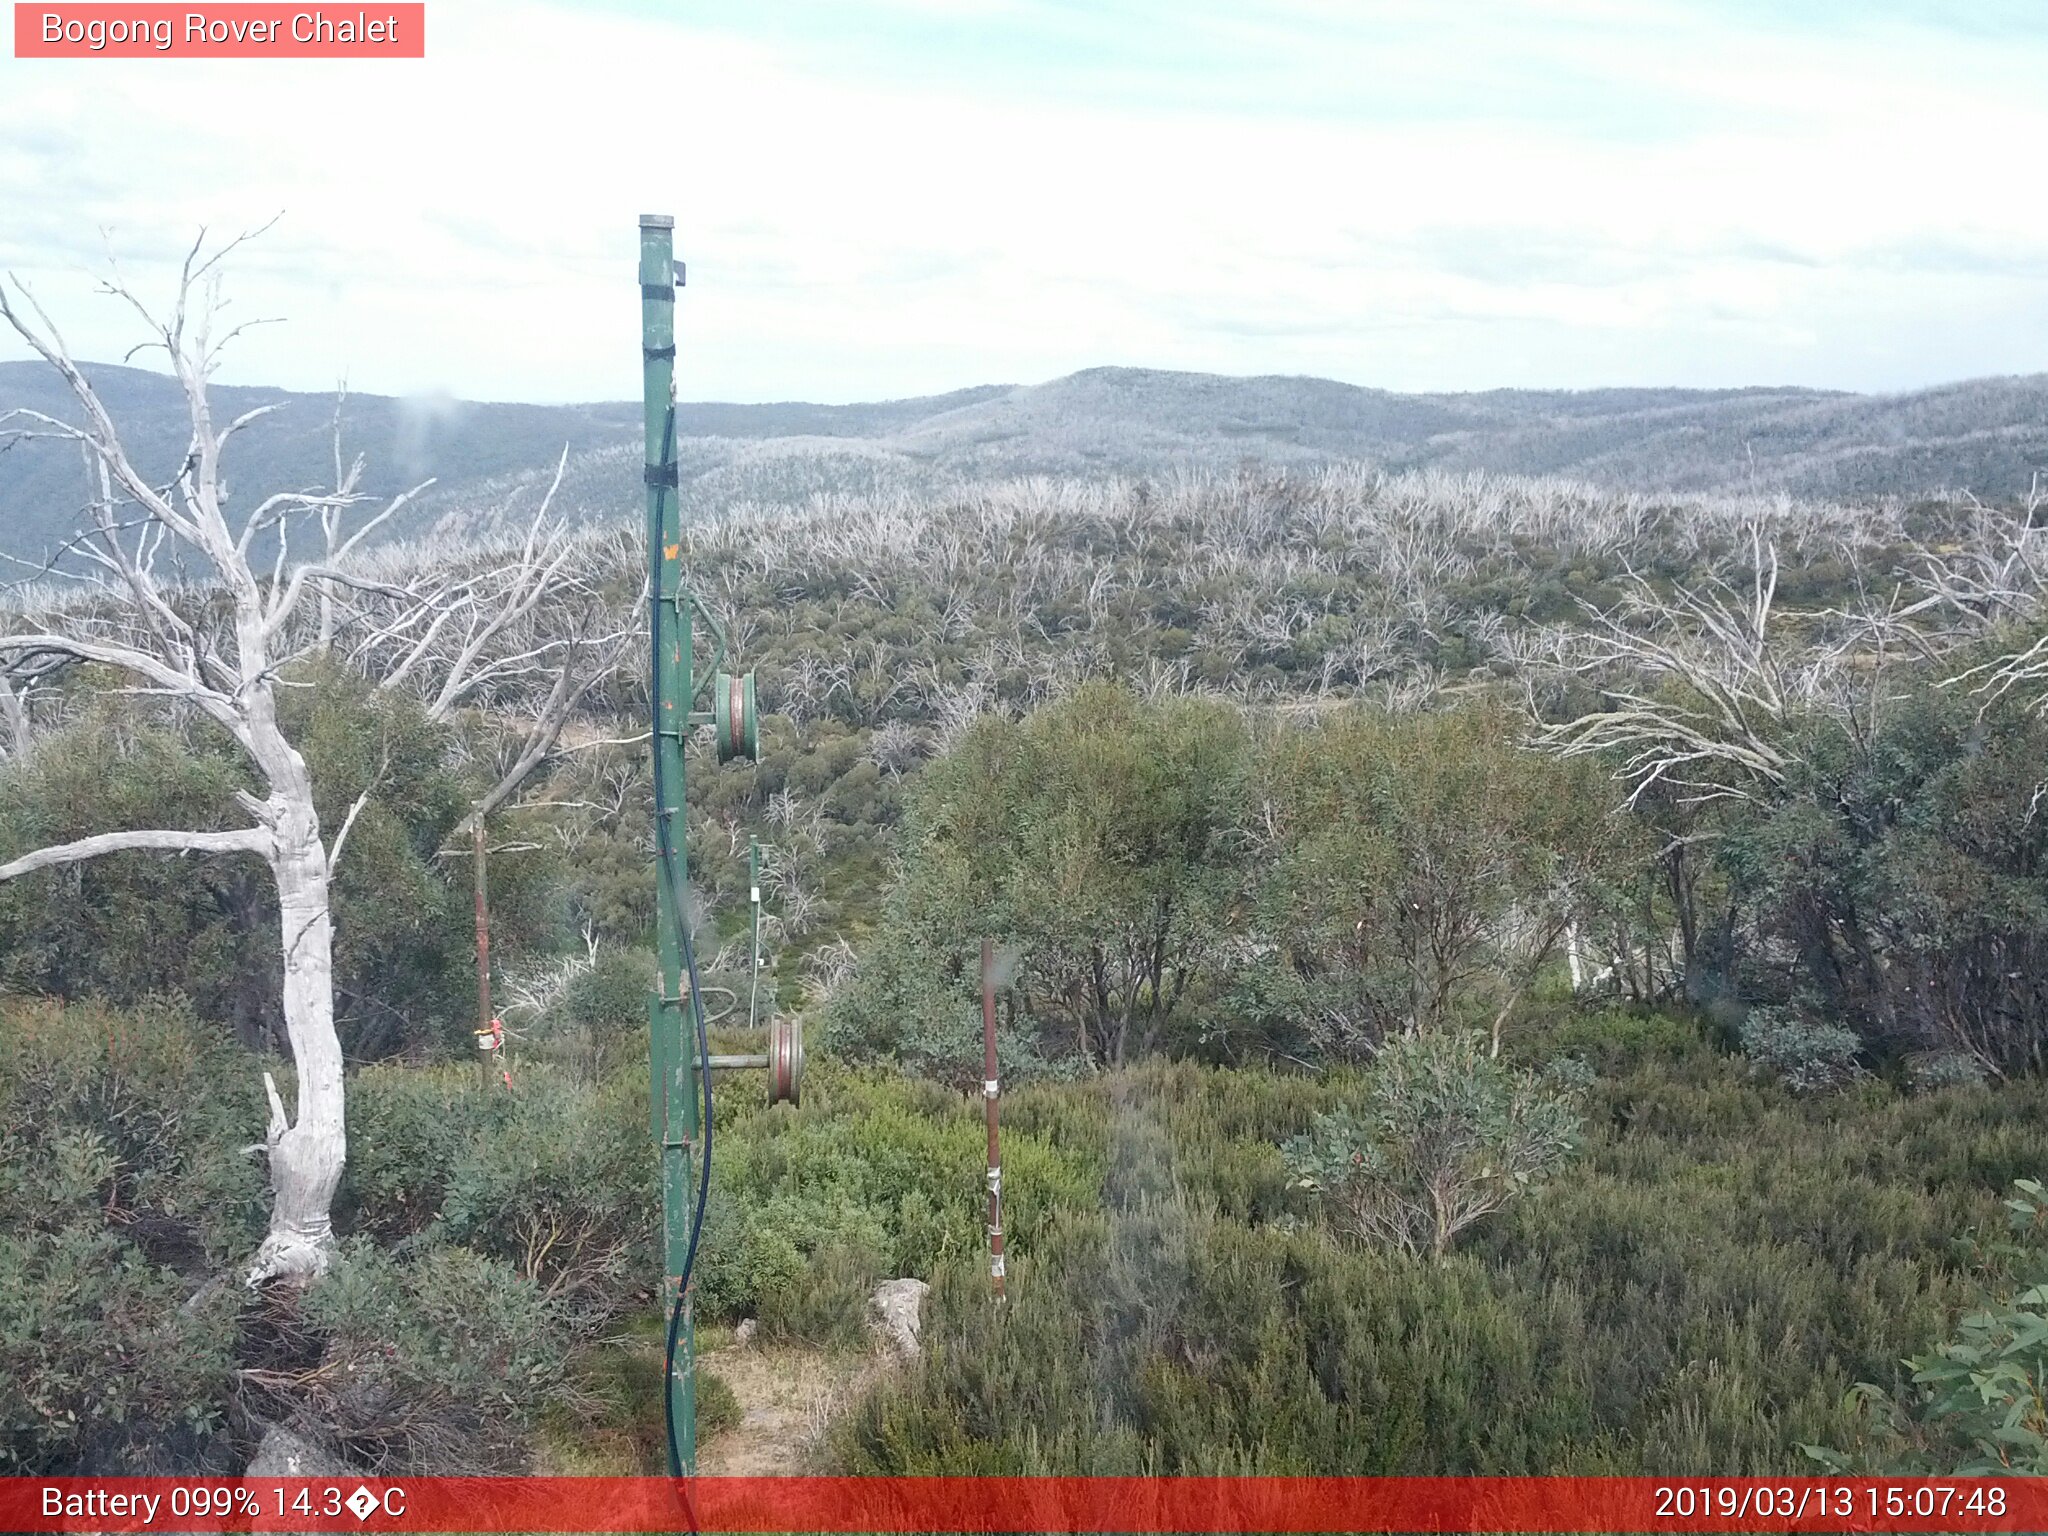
x=18, y=689
x=1698, y=686
x=523, y=638
x=222, y=661
x=219, y=650
x=14, y=744
x=1997, y=580
x=340, y=535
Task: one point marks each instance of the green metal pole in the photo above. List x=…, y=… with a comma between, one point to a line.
x=674, y=1045
x=754, y=921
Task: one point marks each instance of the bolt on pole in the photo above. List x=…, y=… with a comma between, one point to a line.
x=675, y=1108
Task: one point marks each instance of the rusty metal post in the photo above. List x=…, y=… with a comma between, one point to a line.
x=483, y=958
x=991, y=1090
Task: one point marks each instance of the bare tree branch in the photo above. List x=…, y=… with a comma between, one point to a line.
x=245, y=840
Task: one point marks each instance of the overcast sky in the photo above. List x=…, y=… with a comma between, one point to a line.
x=881, y=198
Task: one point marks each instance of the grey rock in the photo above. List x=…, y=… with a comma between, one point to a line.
x=897, y=1307
x=287, y=1453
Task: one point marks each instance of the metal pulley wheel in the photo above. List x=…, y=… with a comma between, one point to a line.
x=785, y=1060
x=734, y=718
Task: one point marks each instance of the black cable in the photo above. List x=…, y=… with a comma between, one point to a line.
x=665, y=854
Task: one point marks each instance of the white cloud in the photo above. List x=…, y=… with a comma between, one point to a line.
x=1839, y=208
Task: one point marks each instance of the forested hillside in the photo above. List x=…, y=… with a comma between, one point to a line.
x=1715, y=820
x=490, y=461
x=1500, y=977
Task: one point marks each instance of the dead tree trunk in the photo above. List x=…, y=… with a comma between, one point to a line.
x=306, y=1153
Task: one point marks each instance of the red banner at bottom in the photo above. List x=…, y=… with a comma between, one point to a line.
x=1020, y=1504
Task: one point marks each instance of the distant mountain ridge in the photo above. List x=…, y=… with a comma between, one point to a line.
x=1989, y=436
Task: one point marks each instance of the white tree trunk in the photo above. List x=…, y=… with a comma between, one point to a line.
x=306, y=1155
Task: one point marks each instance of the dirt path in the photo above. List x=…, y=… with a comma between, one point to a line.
x=786, y=1395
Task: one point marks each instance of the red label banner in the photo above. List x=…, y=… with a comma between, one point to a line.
x=234, y=31
x=1018, y=1504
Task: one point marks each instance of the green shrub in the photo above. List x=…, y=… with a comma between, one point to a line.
x=169, y=1097
x=1978, y=1403
x=610, y=999
x=437, y=1362
x=1901, y=868
x=1181, y=876
x=718, y=1407
x=1615, y=1041
x=1444, y=1135
x=1421, y=867
x=122, y=1187
x=747, y=1252
x=1725, y=1261
x=107, y=1369
x=878, y=1174
x=828, y=1307
x=125, y=926
x=1936, y=1070
x=1098, y=836
x=564, y=1192
x=407, y=1129
x=554, y=1177
x=1803, y=1054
